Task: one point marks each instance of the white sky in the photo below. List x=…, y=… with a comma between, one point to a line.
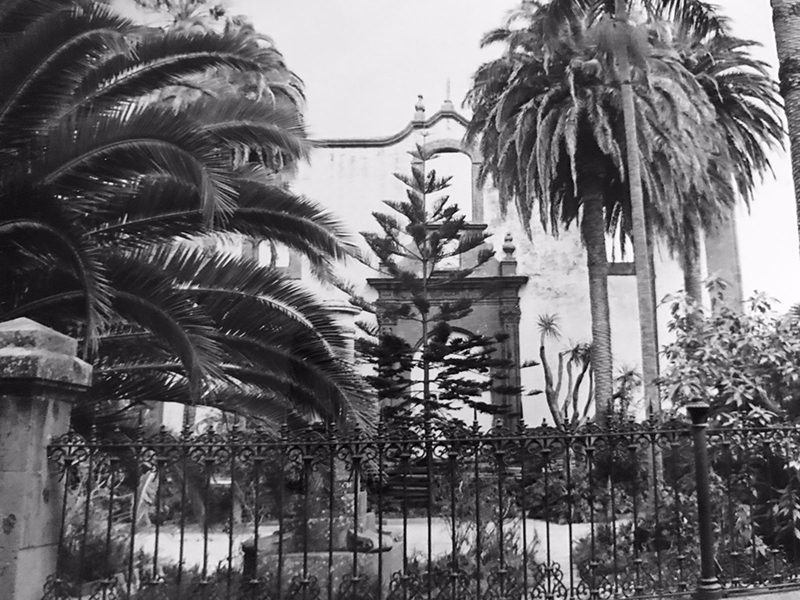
x=365, y=61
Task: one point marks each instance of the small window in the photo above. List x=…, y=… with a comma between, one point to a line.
x=273, y=255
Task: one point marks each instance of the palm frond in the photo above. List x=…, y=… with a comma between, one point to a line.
x=252, y=124
x=161, y=59
x=84, y=154
x=107, y=192
x=83, y=261
x=42, y=68
x=145, y=296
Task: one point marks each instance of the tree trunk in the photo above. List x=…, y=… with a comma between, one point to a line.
x=644, y=287
x=551, y=393
x=594, y=237
x=786, y=23
x=651, y=259
x=690, y=261
x=693, y=279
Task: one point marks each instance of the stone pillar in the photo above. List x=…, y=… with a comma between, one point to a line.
x=722, y=260
x=477, y=194
x=345, y=314
x=510, y=317
x=39, y=378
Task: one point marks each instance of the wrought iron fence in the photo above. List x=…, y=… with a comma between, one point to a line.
x=314, y=514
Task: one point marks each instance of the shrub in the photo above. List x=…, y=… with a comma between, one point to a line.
x=745, y=362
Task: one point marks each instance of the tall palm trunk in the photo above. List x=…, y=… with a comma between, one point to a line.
x=690, y=259
x=651, y=260
x=594, y=237
x=644, y=287
x=692, y=277
x=786, y=23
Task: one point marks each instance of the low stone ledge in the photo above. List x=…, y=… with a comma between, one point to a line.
x=33, y=353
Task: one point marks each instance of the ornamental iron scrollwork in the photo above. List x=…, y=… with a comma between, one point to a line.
x=584, y=512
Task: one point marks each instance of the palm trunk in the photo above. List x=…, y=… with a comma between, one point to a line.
x=644, y=287
x=594, y=237
x=690, y=258
x=651, y=259
x=786, y=23
x=692, y=279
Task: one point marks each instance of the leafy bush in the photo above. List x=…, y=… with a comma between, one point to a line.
x=745, y=362
x=190, y=584
x=756, y=504
x=91, y=557
x=91, y=549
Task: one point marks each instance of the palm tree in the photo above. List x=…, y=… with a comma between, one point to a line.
x=698, y=22
x=747, y=112
x=105, y=194
x=550, y=114
x=521, y=104
x=786, y=24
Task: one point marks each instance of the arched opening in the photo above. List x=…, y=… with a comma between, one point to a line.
x=273, y=255
x=458, y=166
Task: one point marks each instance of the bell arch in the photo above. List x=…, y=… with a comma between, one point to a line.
x=460, y=146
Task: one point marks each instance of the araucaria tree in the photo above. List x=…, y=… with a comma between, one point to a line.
x=428, y=248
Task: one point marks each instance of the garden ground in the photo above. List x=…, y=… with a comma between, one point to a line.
x=219, y=542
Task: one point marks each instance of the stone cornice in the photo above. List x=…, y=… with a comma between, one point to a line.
x=469, y=283
x=392, y=139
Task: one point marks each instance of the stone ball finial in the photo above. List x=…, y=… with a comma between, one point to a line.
x=419, y=109
x=508, y=247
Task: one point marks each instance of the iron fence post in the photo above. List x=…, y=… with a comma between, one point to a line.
x=708, y=586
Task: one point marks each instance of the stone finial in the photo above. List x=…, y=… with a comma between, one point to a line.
x=447, y=105
x=508, y=247
x=419, y=109
x=508, y=266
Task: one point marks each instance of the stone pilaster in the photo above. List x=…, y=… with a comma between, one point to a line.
x=40, y=376
x=345, y=313
x=722, y=260
x=510, y=317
